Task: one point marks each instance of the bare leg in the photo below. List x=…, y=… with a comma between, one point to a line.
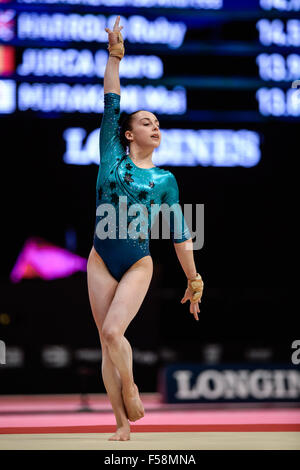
x=121, y=352
x=121, y=355
x=127, y=300
x=101, y=281
x=113, y=386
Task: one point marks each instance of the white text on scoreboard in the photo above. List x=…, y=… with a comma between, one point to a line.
x=196, y=4
x=91, y=28
x=278, y=32
x=277, y=102
x=65, y=98
x=179, y=147
x=278, y=68
x=281, y=5
x=56, y=62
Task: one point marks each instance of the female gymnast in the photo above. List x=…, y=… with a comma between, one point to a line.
x=119, y=270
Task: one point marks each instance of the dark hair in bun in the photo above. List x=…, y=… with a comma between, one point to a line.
x=125, y=124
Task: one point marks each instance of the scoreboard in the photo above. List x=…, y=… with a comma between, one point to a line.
x=223, y=77
x=213, y=70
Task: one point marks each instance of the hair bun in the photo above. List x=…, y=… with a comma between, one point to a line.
x=125, y=125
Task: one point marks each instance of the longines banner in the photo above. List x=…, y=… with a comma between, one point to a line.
x=193, y=383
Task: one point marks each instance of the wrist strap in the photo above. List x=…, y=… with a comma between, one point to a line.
x=117, y=50
x=196, y=285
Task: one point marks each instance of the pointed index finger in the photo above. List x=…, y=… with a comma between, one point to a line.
x=117, y=21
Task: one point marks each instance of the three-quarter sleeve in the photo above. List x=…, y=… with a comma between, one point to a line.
x=178, y=227
x=109, y=138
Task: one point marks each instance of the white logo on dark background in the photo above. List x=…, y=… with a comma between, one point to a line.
x=296, y=354
x=2, y=352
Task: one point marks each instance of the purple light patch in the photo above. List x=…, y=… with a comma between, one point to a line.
x=39, y=258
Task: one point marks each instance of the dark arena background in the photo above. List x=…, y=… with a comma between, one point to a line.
x=224, y=79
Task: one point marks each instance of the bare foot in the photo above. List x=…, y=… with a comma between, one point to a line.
x=121, y=434
x=133, y=404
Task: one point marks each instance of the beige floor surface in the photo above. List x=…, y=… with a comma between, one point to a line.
x=154, y=440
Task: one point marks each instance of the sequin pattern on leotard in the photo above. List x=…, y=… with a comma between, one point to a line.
x=118, y=177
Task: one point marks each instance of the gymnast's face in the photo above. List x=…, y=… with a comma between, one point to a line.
x=144, y=126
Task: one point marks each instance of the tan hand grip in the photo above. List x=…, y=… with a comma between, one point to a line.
x=196, y=285
x=117, y=50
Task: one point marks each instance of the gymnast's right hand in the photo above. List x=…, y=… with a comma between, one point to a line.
x=113, y=35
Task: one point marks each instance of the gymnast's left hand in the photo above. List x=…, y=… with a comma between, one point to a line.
x=194, y=306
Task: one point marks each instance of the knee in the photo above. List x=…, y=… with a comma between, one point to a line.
x=111, y=335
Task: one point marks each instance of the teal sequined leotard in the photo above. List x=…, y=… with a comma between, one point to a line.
x=119, y=176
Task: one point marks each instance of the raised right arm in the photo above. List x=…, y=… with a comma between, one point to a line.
x=110, y=143
x=111, y=76
x=109, y=131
